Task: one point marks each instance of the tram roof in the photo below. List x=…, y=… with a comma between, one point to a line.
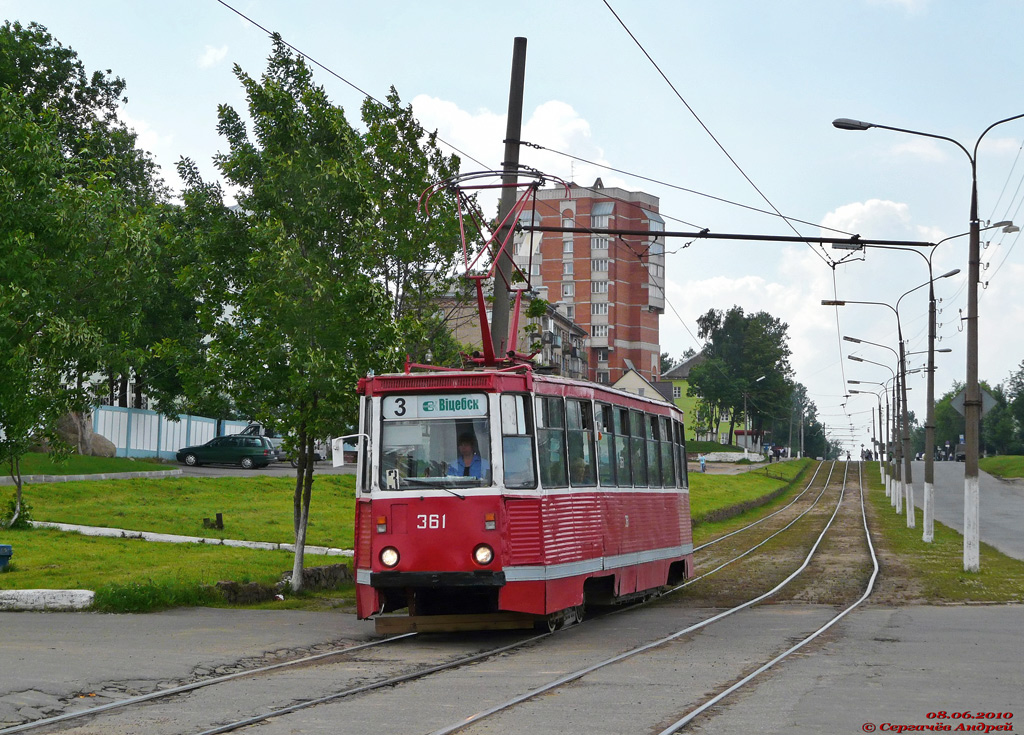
x=502, y=381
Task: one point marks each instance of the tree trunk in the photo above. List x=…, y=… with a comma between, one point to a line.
x=301, y=502
x=16, y=476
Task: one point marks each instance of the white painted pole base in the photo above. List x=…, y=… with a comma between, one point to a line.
x=972, y=558
x=929, y=513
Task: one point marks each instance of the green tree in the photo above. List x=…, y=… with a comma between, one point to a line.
x=418, y=250
x=294, y=312
x=998, y=429
x=70, y=242
x=1015, y=395
x=81, y=113
x=748, y=364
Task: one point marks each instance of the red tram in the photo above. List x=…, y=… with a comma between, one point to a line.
x=497, y=496
x=575, y=492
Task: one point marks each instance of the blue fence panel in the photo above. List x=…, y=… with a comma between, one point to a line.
x=138, y=432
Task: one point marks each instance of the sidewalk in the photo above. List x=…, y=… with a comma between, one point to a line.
x=32, y=479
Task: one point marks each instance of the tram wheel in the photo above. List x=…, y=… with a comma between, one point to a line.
x=552, y=622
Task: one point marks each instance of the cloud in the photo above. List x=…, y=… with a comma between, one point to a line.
x=553, y=124
x=911, y=6
x=920, y=148
x=879, y=218
x=212, y=56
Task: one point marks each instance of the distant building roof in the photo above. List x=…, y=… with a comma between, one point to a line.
x=682, y=370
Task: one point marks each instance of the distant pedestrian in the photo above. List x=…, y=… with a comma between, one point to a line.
x=702, y=460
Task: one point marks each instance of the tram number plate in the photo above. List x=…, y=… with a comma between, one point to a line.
x=433, y=521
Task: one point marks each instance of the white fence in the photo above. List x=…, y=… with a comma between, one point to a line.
x=141, y=433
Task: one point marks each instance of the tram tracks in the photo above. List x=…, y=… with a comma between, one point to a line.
x=493, y=658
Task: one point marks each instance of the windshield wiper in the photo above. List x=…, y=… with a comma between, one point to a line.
x=432, y=482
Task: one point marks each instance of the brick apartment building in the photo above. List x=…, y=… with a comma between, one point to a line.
x=611, y=287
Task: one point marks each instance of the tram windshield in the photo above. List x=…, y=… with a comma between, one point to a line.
x=435, y=441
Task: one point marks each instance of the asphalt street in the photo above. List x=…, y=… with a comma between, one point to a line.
x=1000, y=505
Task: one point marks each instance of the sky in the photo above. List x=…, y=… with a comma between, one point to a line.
x=722, y=110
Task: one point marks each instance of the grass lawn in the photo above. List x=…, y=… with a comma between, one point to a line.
x=257, y=508
x=939, y=566
x=1005, y=466
x=43, y=464
x=710, y=494
x=132, y=575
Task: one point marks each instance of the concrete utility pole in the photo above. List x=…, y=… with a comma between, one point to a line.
x=510, y=166
x=972, y=400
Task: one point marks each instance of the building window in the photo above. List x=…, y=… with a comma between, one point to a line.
x=602, y=376
x=568, y=289
x=568, y=222
x=599, y=309
x=599, y=243
x=535, y=270
x=570, y=311
x=602, y=354
x=599, y=287
x=677, y=391
x=567, y=247
x=567, y=268
x=599, y=265
x=600, y=214
x=599, y=330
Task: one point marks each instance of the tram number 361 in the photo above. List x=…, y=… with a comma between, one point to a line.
x=433, y=521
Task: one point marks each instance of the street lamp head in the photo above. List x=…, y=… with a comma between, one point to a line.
x=845, y=123
x=852, y=339
x=853, y=382
x=855, y=358
x=1011, y=228
x=830, y=302
x=944, y=349
x=951, y=273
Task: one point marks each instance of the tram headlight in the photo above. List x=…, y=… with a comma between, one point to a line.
x=483, y=555
x=389, y=556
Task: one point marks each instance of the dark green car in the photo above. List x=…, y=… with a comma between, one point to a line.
x=247, y=451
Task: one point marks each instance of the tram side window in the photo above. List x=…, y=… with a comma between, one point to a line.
x=638, y=448
x=622, y=459
x=551, y=441
x=364, y=443
x=605, y=445
x=517, y=442
x=653, y=426
x=580, y=425
x=667, y=448
x=683, y=474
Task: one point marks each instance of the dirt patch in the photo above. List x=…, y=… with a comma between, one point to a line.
x=838, y=573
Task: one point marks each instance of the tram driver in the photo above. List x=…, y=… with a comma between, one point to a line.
x=469, y=463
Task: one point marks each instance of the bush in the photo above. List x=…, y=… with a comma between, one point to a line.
x=135, y=597
x=24, y=519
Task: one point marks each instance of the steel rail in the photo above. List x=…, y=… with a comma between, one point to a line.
x=765, y=518
x=228, y=727
x=761, y=543
x=193, y=686
x=422, y=673
x=580, y=673
x=679, y=724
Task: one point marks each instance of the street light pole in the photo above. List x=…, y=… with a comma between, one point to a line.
x=907, y=480
x=972, y=399
x=928, y=506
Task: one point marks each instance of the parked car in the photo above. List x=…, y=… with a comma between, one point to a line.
x=246, y=451
x=280, y=455
x=961, y=453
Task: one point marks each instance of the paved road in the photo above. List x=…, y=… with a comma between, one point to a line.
x=1000, y=505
